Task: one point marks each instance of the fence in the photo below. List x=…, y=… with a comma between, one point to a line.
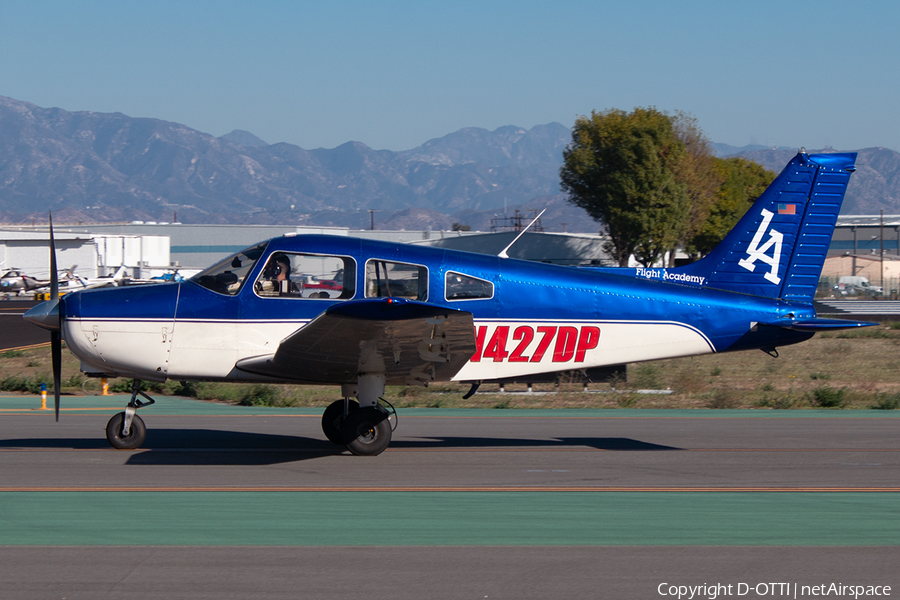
x=828, y=288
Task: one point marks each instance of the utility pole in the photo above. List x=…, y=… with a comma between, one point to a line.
x=881, y=253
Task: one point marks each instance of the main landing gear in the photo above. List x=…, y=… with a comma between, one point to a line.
x=363, y=426
x=365, y=430
x=126, y=430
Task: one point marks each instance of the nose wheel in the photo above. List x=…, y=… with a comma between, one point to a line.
x=118, y=438
x=126, y=430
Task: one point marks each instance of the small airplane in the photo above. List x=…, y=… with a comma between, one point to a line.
x=363, y=314
x=120, y=277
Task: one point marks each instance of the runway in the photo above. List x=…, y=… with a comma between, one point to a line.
x=232, y=502
x=16, y=332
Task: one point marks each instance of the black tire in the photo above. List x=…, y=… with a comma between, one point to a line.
x=333, y=418
x=367, y=432
x=135, y=436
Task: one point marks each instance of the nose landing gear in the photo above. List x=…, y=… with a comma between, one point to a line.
x=126, y=430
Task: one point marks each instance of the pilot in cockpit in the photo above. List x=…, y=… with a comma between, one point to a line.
x=276, y=276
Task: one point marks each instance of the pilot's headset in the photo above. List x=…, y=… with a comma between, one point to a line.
x=279, y=263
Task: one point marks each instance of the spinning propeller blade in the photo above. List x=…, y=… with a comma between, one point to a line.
x=55, y=337
x=56, y=350
x=54, y=277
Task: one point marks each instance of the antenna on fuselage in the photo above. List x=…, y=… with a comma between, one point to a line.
x=503, y=253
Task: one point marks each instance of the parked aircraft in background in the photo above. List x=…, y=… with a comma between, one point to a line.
x=361, y=314
x=170, y=275
x=120, y=277
x=16, y=282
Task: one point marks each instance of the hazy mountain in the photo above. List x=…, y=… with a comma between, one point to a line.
x=97, y=167
x=88, y=166
x=723, y=150
x=240, y=137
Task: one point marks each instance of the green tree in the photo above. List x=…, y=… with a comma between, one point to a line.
x=743, y=181
x=701, y=175
x=622, y=169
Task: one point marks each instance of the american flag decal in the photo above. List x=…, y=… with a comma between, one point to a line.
x=787, y=209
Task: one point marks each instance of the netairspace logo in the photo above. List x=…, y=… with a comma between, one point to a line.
x=771, y=590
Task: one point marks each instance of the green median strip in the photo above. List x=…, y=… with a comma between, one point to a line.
x=449, y=518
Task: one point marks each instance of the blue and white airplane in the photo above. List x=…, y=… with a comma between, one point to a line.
x=317, y=309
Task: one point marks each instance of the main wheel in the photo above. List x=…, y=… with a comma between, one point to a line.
x=135, y=436
x=333, y=418
x=367, y=432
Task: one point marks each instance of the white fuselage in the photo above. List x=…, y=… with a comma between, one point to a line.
x=157, y=349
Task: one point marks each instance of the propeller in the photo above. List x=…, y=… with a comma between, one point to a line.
x=55, y=334
x=46, y=315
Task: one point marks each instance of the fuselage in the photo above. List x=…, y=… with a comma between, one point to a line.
x=529, y=317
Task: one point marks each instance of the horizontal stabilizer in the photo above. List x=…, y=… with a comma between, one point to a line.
x=816, y=324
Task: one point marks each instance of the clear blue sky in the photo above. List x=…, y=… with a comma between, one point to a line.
x=396, y=74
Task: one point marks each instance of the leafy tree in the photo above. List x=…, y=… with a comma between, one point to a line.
x=701, y=175
x=622, y=169
x=743, y=181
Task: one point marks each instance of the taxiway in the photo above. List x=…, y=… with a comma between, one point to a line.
x=230, y=502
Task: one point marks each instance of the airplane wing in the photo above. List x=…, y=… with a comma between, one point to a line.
x=410, y=342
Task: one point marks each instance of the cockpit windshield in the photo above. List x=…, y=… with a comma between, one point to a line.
x=227, y=276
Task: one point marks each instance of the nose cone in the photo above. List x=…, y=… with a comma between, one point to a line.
x=44, y=315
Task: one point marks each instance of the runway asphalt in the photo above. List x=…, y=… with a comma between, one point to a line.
x=231, y=502
x=16, y=332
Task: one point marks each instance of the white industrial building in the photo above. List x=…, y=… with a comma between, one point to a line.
x=28, y=252
x=92, y=255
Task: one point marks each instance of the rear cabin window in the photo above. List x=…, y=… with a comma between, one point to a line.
x=317, y=276
x=386, y=279
x=458, y=286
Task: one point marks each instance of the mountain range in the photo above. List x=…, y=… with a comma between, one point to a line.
x=103, y=167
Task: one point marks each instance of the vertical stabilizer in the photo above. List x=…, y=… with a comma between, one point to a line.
x=778, y=248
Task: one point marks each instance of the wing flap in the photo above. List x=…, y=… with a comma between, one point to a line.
x=410, y=342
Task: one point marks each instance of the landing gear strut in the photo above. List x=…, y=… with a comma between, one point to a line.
x=126, y=430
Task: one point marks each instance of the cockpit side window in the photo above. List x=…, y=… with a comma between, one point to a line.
x=387, y=279
x=297, y=275
x=465, y=287
x=227, y=276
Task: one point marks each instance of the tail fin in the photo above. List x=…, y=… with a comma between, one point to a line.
x=778, y=247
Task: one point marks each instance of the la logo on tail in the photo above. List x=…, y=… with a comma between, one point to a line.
x=757, y=253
